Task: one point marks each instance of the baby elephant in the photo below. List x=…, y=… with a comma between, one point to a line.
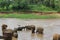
x=15, y=35
x=31, y=27
x=40, y=30
x=56, y=37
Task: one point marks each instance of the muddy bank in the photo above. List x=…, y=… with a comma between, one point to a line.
x=29, y=12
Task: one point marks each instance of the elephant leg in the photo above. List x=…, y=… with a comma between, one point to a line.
x=55, y=39
x=59, y=37
x=33, y=31
x=15, y=35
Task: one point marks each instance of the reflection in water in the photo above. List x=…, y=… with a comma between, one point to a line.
x=37, y=36
x=40, y=36
x=24, y=35
x=27, y=35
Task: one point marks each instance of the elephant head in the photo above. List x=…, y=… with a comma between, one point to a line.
x=4, y=26
x=31, y=27
x=39, y=30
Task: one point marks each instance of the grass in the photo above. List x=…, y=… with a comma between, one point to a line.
x=28, y=16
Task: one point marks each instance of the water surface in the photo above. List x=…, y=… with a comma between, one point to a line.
x=51, y=26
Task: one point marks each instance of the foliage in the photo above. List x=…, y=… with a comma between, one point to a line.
x=25, y=5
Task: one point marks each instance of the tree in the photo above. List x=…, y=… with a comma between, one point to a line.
x=20, y=5
x=5, y=4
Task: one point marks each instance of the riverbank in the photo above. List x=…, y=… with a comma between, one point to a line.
x=30, y=16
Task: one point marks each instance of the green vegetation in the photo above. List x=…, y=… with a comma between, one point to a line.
x=32, y=5
x=29, y=5
x=41, y=8
x=28, y=16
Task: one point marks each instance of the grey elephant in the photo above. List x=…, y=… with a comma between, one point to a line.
x=31, y=27
x=20, y=28
x=39, y=30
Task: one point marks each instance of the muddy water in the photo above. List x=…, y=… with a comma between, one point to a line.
x=27, y=35
x=51, y=26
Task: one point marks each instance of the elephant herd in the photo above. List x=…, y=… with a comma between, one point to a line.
x=32, y=28
x=8, y=33
x=28, y=27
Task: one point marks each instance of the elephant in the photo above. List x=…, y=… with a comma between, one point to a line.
x=39, y=30
x=31, y=27
x=28, y=27
x=59, y=37
x=56, y=37
x=15, y=30
x=20, y=28
x=8, y=33
x=4, y=26
x=15, y=35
